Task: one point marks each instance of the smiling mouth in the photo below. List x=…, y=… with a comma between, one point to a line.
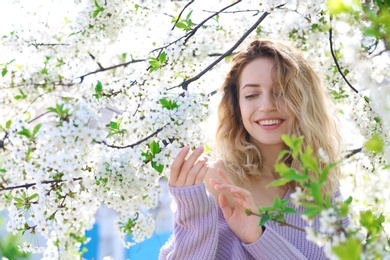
x=270, y=122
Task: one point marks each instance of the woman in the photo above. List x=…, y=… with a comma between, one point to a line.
x=270, y=90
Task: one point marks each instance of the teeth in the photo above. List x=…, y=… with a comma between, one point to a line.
x=270, y=122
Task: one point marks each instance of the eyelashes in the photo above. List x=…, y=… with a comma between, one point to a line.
x=275, y=95
x=251, y=96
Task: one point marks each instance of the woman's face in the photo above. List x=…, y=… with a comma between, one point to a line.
x=260, y=116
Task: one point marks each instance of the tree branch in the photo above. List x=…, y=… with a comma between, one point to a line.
x=336, y=62
x=282, y=223
x=109, y=68
x=185, y=84
x=28, y=185
x=181, y=12
x=188, y=35
x=136, y=143
x=353, y=152
x=233, y=12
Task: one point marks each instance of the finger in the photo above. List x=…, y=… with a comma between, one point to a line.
x=201, y=174
x=194, y=171
x=223, y=176
x=219, y=185
x=243, y=199
x=240, y=192
x=177, y=165
x=224, y=205
x=188, y=164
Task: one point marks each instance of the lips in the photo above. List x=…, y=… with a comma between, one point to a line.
x=270, y=122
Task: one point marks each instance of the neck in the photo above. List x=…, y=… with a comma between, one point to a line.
x=269, y=155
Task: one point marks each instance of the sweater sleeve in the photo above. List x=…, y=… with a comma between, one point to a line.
x=273, y=246
x=195, y=231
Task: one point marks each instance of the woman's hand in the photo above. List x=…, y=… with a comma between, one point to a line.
x=245, y=227
x=188, y=172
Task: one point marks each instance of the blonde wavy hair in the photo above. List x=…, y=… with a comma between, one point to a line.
x=307, y=102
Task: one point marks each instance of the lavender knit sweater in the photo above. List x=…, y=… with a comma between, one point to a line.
x=201, y=233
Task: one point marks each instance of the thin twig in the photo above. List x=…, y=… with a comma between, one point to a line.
x=233, y=12
x=28, y=185
x=109, y=68
x=185, y=84
x=41, y=115
x=282, y=223
x=353, y=152
x=184, y=8
x=98, y=63
x=80, y=77
x=136, y=143
x=48, y=44
x=188, y=35
x=336, y=62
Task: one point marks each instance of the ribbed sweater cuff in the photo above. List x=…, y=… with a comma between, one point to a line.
x=272, y=246
x=192, y=201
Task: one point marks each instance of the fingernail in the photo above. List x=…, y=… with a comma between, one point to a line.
x=185, y=148
x=199, y=148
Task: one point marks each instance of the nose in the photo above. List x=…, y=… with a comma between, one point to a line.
x=267, y=103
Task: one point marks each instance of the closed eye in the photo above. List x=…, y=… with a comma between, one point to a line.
x=251, y=96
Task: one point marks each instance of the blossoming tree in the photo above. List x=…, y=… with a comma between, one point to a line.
x=98, y=96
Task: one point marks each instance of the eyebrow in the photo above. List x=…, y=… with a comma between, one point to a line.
x=251, y=85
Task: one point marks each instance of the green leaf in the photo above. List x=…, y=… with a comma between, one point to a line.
x=289, y=211
x=282, y=154
x=316, y=192
x=147, y=156
x=372, y=223
x=189, y=15
x=339, y=6
x=168, y=104
x=264, y=219
x=36, y=129
x=181, y=25
x=311, y=212
x=99, y=87
x=279, y=182
x=350, y=249
x=110, y=134
x=113, y=125
x=325, y=173
x=154, y=147
x=52, y=109
x=375, y=144
x=345, y=207
x=4, y=72
x=308, y=160
x=158, y=168
x=119, y=122
x=8, y=124
x=25, y=132
x=294, y=143
x=281, y=168
x=277, y=202
x=162, y=57
x=349, y=200
x=34, y=196
x=98, y=10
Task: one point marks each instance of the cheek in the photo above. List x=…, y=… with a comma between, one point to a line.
x=245, y=111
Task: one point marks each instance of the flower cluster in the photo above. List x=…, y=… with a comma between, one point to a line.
x=99, y=96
